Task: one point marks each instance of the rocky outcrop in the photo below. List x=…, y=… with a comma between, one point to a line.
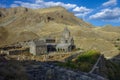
x=99, y=67
x=45, y=71
x=2, y=12
x=3, y=34
x=12, y=11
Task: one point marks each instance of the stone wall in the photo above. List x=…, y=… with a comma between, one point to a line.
x=41, y=49
x=19, y=51
x=15, y=51
x=99, y=67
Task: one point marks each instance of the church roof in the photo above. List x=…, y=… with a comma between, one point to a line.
x=39, y=42
x=66, y=30
x=62, y=45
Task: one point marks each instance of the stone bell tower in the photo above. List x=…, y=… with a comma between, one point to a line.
x=66, y=33
x=66, y=42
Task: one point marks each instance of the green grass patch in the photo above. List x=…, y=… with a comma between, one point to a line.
x=83, y=62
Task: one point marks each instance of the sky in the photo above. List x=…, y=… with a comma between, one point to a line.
x=96, y=12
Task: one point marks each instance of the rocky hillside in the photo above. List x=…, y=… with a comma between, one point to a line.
x=56, y=14
x=34, y=70
x=19, y=24
x=9, y=70
x=23, y=20
x=48, y=71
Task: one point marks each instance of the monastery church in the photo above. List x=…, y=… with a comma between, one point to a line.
x=66, y=44
x=42, y=46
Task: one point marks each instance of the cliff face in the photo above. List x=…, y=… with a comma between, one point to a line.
x=33, y=16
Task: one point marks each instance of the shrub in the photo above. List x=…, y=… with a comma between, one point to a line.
x=85, y=66
x=70, y=64
x=84, y=62
x=118, y=39
x=113, y=70
x=78, y=49
x=118, y=48
x=116, y=45
x=89, y=56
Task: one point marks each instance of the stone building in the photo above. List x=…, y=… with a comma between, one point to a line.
x=42, y=46
x=46, y=45
x=37, y=47
x=51, y=44
x=66, y=42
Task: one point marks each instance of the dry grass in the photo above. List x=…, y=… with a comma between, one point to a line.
x=33, y=24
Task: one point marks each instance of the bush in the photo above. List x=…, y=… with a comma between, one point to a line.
x=118, y=39
x=70, y=64
x=113, y=70
x=116, y=45
x=118, y=48
x=85, y=66
x=78, y=49
x=83, y=62
x=89, y=56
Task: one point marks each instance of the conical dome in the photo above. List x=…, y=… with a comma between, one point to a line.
x=66, y=33
x=62, y=40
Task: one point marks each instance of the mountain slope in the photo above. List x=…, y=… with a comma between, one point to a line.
x=24, y=24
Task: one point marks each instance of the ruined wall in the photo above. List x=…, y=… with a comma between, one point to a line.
x=41, y=50
x=99, y=68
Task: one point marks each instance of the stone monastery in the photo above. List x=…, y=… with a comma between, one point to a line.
x=42, y=46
